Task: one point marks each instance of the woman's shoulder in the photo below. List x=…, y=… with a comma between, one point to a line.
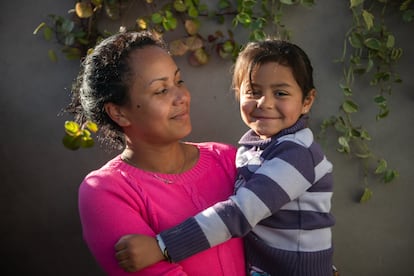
x=105, y=175
x=216, y=147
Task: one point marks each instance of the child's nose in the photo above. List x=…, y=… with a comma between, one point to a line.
x=265, y=102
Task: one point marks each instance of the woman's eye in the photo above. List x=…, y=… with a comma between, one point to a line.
x=162, y=91
x=180, y=82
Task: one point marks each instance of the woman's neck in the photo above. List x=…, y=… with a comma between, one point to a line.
x=172, y=159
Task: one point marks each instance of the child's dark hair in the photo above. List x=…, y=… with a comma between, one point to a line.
x=273, y=50
x=105, y=77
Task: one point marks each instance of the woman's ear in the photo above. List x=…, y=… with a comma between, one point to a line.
x=117, y=115
x=308, y=101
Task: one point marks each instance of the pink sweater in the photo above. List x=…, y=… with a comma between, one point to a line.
x=119, y=199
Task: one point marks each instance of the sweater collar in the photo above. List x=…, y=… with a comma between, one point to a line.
x=250, y=138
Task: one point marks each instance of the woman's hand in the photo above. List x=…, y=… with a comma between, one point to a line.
x=135, y=252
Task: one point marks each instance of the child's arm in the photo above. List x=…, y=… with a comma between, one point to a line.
x=287, y=173
x=274, y=184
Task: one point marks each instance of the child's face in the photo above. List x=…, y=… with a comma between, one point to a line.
x=273, y=101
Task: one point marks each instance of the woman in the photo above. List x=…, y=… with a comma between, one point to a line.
x=132, y=88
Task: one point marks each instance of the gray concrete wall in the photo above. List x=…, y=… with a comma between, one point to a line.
x=41, y=234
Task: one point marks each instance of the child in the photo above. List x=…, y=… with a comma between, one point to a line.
x=282, y=199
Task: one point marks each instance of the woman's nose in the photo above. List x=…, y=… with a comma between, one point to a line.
x=181, y=95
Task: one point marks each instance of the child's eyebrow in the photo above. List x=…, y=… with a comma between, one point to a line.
x=276, y=85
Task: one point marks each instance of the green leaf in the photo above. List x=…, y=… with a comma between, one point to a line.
x=390, y=41
x=287, y=2
x=228, y=46
x=346, y=89
x=383, y=113
x=390, y=175
x=244, y=18
x=408, y=16
x=356, y=3
x=72, y=53
x=370, y=65
x=47, y=33
x=380, y=99
x=363, y=155
x=72, y=142
x=368, y=19
x=366, y=195
x=67, y=26
x=179, y=6
x=156, y=18
x=355, y=40
x=372, y=43
x=404, y=5
x=396, y=53
x=365, y=135
x=223, y=4
x=343, y=141
x=87, y=142
x=382, y=166
x=52, y=55
x=193, y=12
x=91, y=126
x=69, y=40
x=72, y=128
x=349, y=106
x=169, y=23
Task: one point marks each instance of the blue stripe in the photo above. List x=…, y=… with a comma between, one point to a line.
x=306, y=220
x=323, y=185
x=297, y=156
x=234, y=219
x=272, y=195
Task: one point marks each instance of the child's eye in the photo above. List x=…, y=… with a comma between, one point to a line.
x=280, y=93
x=253, y=93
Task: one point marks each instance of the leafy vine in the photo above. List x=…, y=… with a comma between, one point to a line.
x=369, y=51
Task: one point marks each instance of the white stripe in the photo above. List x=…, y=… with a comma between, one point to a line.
x=213, y=227
x=316, y=201
x=284, y=174
x=251, y=206
x=293, y=240
x=302, y=137
x=322, y=168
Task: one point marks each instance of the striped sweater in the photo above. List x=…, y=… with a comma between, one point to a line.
x=281, y=206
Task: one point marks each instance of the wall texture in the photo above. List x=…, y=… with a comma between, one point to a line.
x=41, y=234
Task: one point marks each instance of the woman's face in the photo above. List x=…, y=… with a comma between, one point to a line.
x=273, y=101
x=159, y=106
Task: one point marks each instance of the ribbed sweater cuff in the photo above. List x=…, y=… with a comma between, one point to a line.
x=184, y=240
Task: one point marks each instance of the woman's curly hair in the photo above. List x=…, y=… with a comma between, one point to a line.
x=105, y=77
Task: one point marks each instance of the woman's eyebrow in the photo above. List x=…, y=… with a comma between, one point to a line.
x=163, y=78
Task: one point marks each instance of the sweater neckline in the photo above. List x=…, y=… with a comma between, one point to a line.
x=250, y=138
x=201, y=166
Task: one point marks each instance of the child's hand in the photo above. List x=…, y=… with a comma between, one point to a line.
x=135, y=252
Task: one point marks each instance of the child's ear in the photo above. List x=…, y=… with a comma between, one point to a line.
x=117, y=115
x=308, y=101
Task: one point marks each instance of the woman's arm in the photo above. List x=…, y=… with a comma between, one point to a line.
x=108, y=213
